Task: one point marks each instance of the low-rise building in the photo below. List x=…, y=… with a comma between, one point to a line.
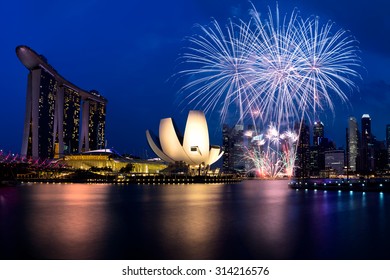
x=107, y=159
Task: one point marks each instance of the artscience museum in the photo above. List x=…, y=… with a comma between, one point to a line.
x=193, y=149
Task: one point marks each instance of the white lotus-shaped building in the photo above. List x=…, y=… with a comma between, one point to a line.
x=193, y=148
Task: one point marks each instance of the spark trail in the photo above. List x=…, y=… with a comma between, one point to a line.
x=283, y=68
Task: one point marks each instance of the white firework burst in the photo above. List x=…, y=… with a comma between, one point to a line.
x=277, y=69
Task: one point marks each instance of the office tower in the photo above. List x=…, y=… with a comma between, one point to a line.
x=318, y=133
x=317, y=157
x=334, y=160
x=54, y=108
x=238, y=148
x=380, y=155
x=388, y=144
x=226, y=157
x=352, y=144
x=249, y=144
x=302, y=169
x=367, y=151
x=233, y=144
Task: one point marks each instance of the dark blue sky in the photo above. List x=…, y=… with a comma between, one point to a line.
x=127, y=50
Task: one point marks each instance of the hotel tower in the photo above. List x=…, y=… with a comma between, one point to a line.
x=60, y=117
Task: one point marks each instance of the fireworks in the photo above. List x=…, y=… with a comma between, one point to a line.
x=284, y=68
x=302, y=65
x=221, y=68
x=272, y=155
x=274, y=70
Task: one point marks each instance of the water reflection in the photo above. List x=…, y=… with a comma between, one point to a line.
x=191, y=219
x=266, y=217
x=250, y=220
x=68, y=221
x=9, y=199
x=10, y=207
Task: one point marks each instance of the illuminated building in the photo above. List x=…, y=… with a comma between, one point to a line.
x=317, y=156
x=388, y=144
x=233, y=144
x=227, y=148
x=352, y=144
x=71, y=122
x=334, y=160
x=238, y=148
x=367, y=151
x=54, y=108
x=93, y=137
x=193, y=148
x=107, y=159
x=318, y=133
x=303, y=150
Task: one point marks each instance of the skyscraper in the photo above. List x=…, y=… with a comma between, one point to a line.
x=352, y=144
x=380, y=156
x=226, y=143
x=318, y=133
x=317, y=156
x=388, y=144
x=367, y=153
x=71, y=122
x=303, y=150
x=53, y=110
x=233, y=144
x=94, y=114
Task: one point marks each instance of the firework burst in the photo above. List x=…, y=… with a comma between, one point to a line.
x=301, y=65
x=221, y=68
x=272, y=155
x=283, y=68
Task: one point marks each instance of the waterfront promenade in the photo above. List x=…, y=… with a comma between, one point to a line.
x=362, y=185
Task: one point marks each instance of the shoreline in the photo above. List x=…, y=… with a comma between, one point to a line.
x=359, y=185
x=136, y=179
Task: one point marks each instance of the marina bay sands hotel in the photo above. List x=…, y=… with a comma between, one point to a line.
x=61, y=118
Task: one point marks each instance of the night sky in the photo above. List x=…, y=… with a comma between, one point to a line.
x=128, y=50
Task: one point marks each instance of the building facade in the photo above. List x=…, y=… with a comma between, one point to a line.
x=367, y=151
x=302, y=167
x=233, y=145
x=191, y=151
x=317, y=157
x=388, y=144
x=352, y=144
x=334, y=160
x=60, y=117
x=318, y=133
x=109, y=160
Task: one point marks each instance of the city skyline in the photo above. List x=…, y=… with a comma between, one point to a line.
x=130, y=61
